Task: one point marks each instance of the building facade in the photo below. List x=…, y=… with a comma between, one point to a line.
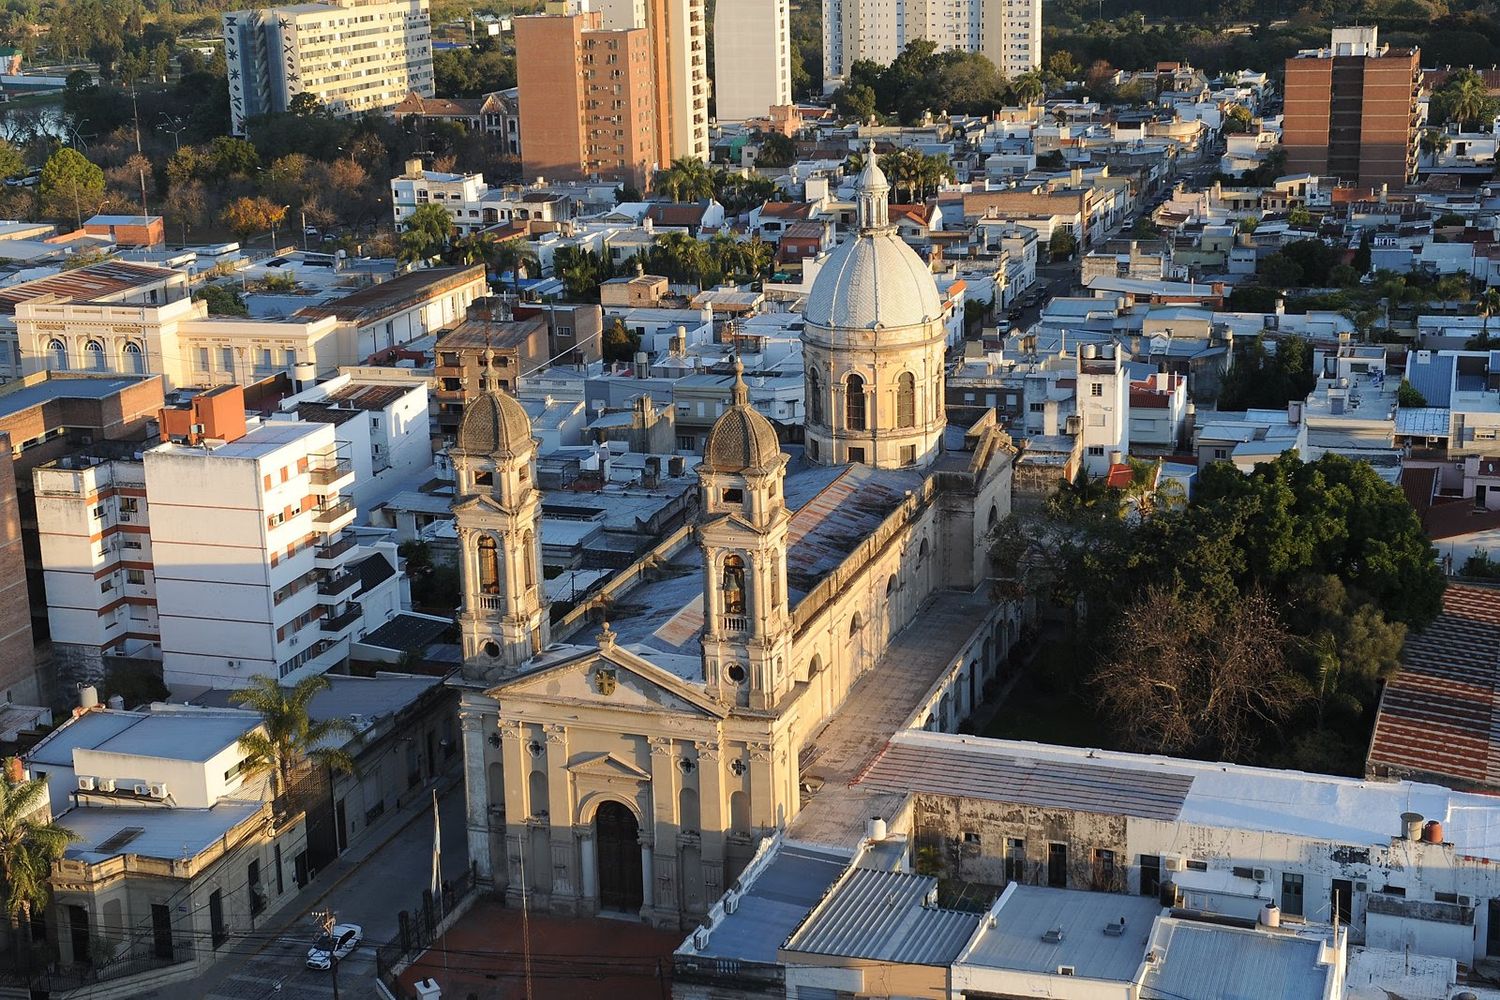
x=1351, y=110
x=587, y=105
x=1007, y=32
x=678, y=32
x=752, y=59
x=351, y=56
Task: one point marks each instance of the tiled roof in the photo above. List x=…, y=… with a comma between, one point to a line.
x=85, y=283
x=1438, y=717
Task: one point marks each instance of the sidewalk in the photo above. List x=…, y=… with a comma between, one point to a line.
x=418, y=806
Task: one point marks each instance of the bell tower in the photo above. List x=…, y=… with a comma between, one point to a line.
x=503, y=618
x=747, y=627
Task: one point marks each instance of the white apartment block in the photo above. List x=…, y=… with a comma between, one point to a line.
x=459, y=194
x=1007, y=32
x=225, y=557
x=354, y=56
x=752, y=58
x=1103, y=406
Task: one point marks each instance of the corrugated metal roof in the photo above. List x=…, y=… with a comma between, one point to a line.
x=1095, y=788
x=1202, y=960
x=1026, y=912
x=1433, y=378
x=884, y=916
x=1438, y=714
x=774, y=903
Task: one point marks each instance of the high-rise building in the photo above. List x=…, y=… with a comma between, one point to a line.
x=353, y=56
x=587, y=104
x=679, y=64
x=752, y=58
x=1007, y=32
x=1351, y=110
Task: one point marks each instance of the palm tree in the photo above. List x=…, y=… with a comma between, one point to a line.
x=28, y=847
x=1471, y=101
x=288, y=738
x=1432, y=143
x=1029, y=87
x=687, y=179
x=513, y=255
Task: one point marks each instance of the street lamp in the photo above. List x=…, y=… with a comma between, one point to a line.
x=274, y=217
x=175, y=126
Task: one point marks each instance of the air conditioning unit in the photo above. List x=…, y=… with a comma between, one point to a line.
x=85, y=783
x=142, y=789
x=158, y=790
x=1171, y=862
x=105, y=784
x=1260, y=875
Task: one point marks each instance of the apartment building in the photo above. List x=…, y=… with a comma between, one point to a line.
x=352, y=56
x=588, y=105
x=752, y=59
x=143, y=556
x=678, y=32
x=1351, y=110
x=1007, y=32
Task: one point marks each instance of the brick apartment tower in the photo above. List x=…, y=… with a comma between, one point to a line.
x=588, y=105
x=1351, y=110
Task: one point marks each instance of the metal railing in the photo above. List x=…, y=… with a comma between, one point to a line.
x=339, y=622
x=338, y=584
x=332, y=512
x=420, y=927
x=328, y=472
x=343, y=543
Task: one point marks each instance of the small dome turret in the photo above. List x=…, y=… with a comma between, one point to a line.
x=742, y=439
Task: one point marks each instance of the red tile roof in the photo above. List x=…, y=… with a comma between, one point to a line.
x=1454, y=518
x=1120, y=476
x=1436, y=718
x=1420, y=486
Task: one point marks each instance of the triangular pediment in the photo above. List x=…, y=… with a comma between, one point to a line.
x=478, y=501
x=607, y=765
x=614, y=677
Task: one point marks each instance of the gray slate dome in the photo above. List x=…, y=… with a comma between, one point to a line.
x=494, y=422
x=742, y=439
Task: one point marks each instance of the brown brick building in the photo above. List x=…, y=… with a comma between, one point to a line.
x=1351, y=110
x=588, y=104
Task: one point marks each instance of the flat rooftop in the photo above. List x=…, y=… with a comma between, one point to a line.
x=191, y=736
x=86, y=284
x=397, y=294
x=169, y=833
x=1209, y=960
x=258, y=442
x=18, y=396
x=884, y=916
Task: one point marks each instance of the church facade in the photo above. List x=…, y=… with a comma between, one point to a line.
x=630, y=756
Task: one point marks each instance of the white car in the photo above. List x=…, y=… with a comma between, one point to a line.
x=329, y=948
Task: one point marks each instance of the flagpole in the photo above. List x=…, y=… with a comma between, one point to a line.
x=437, y=877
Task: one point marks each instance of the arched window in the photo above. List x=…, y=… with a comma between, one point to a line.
x=732, y=586
x=854, y=404
x=814, y=396
x=93, y=356
x=906, y=400
x=855, y=624
x=489, y=566
x=529, y=559
x=57, y=355
x=133, y=360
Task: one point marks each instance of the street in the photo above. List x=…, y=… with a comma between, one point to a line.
x=372, y=895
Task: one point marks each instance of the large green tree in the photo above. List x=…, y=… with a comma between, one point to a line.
x=71, y=186
x=425, y=232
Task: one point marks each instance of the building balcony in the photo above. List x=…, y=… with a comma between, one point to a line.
x=734, y=624
x=344, y=620
x=332, y=553
x=333, y=589
x=334, y=516
x=331, y=472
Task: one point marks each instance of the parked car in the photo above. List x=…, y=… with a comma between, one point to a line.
x=335, y=946
x=309, y=230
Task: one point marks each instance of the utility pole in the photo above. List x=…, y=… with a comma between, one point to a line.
x=329, y=920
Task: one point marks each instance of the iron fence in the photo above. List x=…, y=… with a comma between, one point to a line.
x=420, y=926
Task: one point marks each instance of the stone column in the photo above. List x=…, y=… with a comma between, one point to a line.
x=762, y=787
x=662, y=898
x=471, y=721
x=715, y=817
x=648, y=877
x=587, y=870
x=516, y=759
x=560, y=818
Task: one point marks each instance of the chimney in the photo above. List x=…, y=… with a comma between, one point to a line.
x=1411, y=826
x=413, y=168
x=1049, y=417
x=642, y=364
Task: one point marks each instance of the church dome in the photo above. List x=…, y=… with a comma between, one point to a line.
x=494, y=422
x=742, y=439
x=873, y=280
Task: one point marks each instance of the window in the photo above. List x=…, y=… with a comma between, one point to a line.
x=733, y=496
x=1150, y=874
x=97, y=513
x=132, y=360
x=1015, y=859
x=1097, y=389
x=856, y=455
x=1197, y=866
x=1057, y=865
x=732, y=585
x=528, y=561
x=203, y=359
x=106, y=586
x=57, y=354
x=906, y=400
x=1037, y=407
x=93, y=356
x=908, y=454
x=489, y=566
x=226, y=359
x=854, y=404
x=814, y=396
x=289, y=357
x=265, y=357
x=135, y=576
x=1221, y=453
x=1096, y=450
x=128, y=505
x=1104, y=868
x=1291, y=894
